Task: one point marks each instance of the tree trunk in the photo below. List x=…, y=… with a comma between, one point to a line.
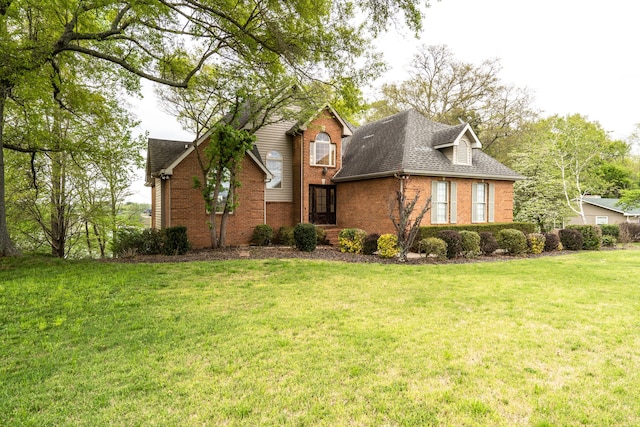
x=7, y=247
x=58, y=205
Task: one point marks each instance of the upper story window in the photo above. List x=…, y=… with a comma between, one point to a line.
x=274, y=164
x=323, y=152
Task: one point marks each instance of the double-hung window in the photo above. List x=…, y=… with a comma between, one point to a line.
x=323, y=152
x=443, y=202
x=482, y=204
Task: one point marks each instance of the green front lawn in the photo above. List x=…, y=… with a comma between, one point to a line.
x=546, y=341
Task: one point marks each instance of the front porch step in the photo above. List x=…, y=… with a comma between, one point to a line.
x=332, y=235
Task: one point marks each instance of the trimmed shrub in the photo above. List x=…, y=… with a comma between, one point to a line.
x=321, y=234
x=488, y=243
x=370, y=244
x=610, y=230
x=454, y=242
x=609, y=241
x=512, y=241
x=434, y=246
x=351, y=240
x=388, y=245
x=285, y=236
x=305, y=237
x=470, y=243
x=536, y=242
x=591, y=236
x=494, y=228
x=262, y=235
x=131, y=241
x=571, y=239
x=629, y=232
x=175, y=240
x=551, y=242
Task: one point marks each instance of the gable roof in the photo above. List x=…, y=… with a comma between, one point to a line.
x=408, y=143
x=347, y=128
x=611, y=204
x=164, y=155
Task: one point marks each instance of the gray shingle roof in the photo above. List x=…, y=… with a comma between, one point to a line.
x=161, y=153
x=403, y=144
x=611, y=204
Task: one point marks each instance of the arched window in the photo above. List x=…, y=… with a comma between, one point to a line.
x=274, y=164
x=463, y=154
x=323, y=152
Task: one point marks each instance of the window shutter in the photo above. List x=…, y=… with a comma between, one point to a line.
x=453, y=214
x=434, y=200
x=312, y=151
x=474, y=203
x=491, y=203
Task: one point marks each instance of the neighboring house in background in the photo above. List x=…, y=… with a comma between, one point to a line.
x=598, y=211
x=324, y=171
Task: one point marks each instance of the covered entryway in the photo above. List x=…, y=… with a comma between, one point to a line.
x=322, y=204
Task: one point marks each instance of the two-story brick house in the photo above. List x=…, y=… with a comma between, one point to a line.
x=324, y=171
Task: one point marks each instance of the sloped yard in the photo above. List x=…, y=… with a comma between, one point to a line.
x=545, y=341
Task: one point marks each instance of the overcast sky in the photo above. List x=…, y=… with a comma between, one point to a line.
x=574, y=56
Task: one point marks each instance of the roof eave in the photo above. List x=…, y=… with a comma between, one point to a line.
x=428, y=173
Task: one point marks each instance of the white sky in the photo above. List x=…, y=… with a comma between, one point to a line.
x=574, y=56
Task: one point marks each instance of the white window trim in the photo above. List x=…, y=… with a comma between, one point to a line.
x=450, y=202
x=599, y=219
x=488, y=211
x=279, y=159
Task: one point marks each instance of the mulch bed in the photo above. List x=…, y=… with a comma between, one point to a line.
x=327, y=253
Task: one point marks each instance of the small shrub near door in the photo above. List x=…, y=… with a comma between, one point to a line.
x=370, y=244
x=351, y=240
x=388, y=246
x=262, y=235
x=306, y=237
x=285, y=236
x=321, y=234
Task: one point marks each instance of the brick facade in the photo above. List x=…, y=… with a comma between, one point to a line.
x=186, y=206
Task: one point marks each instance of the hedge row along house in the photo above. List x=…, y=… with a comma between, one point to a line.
x=325, y=171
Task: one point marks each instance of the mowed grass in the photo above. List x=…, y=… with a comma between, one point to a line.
x=536, y=342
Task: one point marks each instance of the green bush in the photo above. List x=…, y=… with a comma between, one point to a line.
x=321, y=236
x=388, y=246
x=629, y=232
x=493, y=228
x=512, y=241
x=570, y=239
x=470, y=243
x=285, y=236
x=262, y=235
x=351, y=240
x=610, y=230
x=535, y=243
x=591, y=236
x=131, y=241
x=551, y=242
x=454, y=242
x=433, y=246
x=609, y=241
x=175, y=240
x=305, y=237
x=488, y=243
x=370, y=244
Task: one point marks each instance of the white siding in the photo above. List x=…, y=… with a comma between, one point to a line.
x=274, y=137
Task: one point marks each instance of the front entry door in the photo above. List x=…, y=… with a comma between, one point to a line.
x=322, y=200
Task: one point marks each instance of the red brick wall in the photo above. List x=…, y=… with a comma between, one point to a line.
x=314, y=175
x=280, y=214
x=187, y=205
x=365, y=204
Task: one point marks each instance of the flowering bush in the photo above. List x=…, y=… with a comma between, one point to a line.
x=388, y=245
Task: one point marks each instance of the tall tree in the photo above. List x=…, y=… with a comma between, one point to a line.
x=151, y=39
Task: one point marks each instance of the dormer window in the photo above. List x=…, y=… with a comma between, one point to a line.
x=323, y=152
